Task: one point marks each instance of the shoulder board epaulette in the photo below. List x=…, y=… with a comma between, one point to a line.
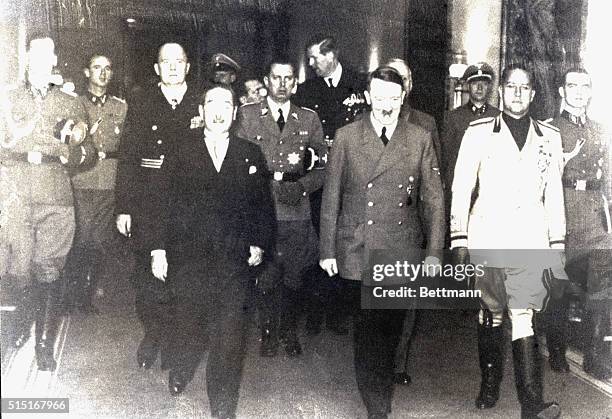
x=547, y=125
x=482, y=121
x=118, y=99
x=69, y=93
x=307, y=109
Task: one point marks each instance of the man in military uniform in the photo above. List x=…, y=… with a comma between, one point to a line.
x=479, y=79
x=45, y=129
x=428, y=123
x=516, y=162
x=223, y=69
x=156, y=118
x=381, y=192
x=285, y=133
x=94, y=187
x=586, y=186
x=336, y=94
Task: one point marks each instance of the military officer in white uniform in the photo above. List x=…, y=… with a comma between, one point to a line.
x=513, y=163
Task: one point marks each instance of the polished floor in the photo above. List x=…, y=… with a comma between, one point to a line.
x=97, y=372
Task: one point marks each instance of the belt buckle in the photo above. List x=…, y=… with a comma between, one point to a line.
x=278, y=176
x=34, y=157
x=581, y=185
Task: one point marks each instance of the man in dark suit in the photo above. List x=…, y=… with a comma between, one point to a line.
x=212, y=220
x=336, y=95
x=156, y=118
x=381, y=192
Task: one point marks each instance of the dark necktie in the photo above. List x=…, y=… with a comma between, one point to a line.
x=329, y=80
x=383, y=136
x=281, y=120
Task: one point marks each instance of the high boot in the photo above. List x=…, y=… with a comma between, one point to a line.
x=289, y=317
x=268, y=318
x=598, y=350
x=529, y=381
x=24, y=317
x=87, y=303
x=490, y=356
x=46, y=327
x=556, y=340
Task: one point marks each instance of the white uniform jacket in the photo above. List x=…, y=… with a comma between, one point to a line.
x=518, y=201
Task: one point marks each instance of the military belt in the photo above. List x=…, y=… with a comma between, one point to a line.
x=582, y=184
x=105, y=155
x=284, y=177
x=33, y=157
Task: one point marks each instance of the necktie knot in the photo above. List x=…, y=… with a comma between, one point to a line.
x=281, y=119
x=383, y=136
x=330, y=82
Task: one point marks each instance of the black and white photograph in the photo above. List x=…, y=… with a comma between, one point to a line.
x=306, y=209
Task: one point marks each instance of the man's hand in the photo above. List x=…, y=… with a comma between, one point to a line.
x=256, y=256
x=461, y=256
x=124, y=224
x=159, y=264
x=329, y=265
x=431, y=266
x=290, y=193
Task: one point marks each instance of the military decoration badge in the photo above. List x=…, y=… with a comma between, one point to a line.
x=264, y=112
x=294, y=115
x=409, y=190
x=293, y=158
x=196, y=122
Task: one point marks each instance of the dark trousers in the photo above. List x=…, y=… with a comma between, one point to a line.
x=154, y=305
x=211, y=313
x=376, y=336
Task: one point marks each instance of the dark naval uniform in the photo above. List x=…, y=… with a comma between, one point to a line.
x=336, y=107
x=95, y=198
x=151, y=125
x=37, y=214
x=285, y=152
x=587, y=193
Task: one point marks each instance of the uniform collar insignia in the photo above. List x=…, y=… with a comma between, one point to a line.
x=576, y=120
x=294, y=115
x=478, y=110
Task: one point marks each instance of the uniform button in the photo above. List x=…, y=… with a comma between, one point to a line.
x=370, y=185
x=280, y=142
x=162, y=157
x=399, y=223
x=401, y=204
x=154, y=127
x=301, y=148
x=370, y=222
x=346, y=119
x=370, y=204
x=327, y=137
x=348, y=109
x=322, y=121
x=280, y=154
x=159, y=141
x=400, y=186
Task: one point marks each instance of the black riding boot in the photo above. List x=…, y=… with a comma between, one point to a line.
x=529, y=381
x=24, y=317
x=268, y=306
x=556, y=331
x=490, y=355
x=598, y=350
x=46, y=327
x=289, y=318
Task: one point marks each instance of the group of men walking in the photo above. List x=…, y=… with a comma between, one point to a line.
x=216, y=198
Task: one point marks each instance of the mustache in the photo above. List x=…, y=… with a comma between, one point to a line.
x=218, y=119
x=386, y=112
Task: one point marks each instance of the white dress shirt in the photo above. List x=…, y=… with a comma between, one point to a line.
x=274, y=107
x=378, y=127
x=217, y=148
x=335, y=76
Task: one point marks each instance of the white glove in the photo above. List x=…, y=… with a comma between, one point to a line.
x=256, y=255
x=124, y=224
x=159, y=264
x=329, y=265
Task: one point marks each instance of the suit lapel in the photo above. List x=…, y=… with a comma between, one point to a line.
x=371, y=147
x=395, y=149
x=268, y=119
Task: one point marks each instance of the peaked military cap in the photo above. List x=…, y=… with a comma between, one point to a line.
x=478, y=71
